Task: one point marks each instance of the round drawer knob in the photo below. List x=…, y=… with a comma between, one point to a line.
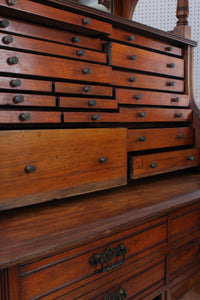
x=13, y=60
x=172, y=65
x=76, y=39
x=96, y=117
x=138, y=97
x=103, y=160
x=131, y=38
x=132, y=79
x=133, y=57
x=87, y=89
x=18, y=99
x=8, y=39
x=142, y=114
x=15, y=83
x=86, y=21
x=86, y=71
x=142, y=138
x=191, y=158
x=80, y=52
x=4, y=23
x=25, y=117
x=154, y=165
x=169, y=48
x=175, y=99
x=179, y=115
x=30, y=169
x=12, y=2
x=171, y=83
x=92, y=102
x=181, y=136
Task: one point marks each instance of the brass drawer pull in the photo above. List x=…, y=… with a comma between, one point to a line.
x=142, y=138
x=178, y=115
x=80, y=52
x=13, y=60
x=142, y=114
x=87, y=88
x=131, y=38
x=12, y=2
x=15, y=83
x=18, y=99
x=30, y=169
x=76, y=39
x=169, y=48
x=138, y=97
x=132, y=79
x=133, y=57
x=154, y=165
x=25, y=117
x=86, y=71
x=175, y=99
x=103, y=160
x=92, y=102
x=96, y=117
x=107, y=256
x=191, y=158
x=172, y=65
x=181, y=136
x=171, y=83
x=86, y=21
x=4, y=23
x=119, y=295
x=8, y=39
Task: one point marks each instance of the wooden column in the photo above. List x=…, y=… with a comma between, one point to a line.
x=124, y=8
x=182, y=28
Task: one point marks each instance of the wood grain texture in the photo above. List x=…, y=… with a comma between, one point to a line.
x=28, y=100
x=14, y=117
x=82, y=89
x=4, y=285
x=94, y=117
x=74, y=102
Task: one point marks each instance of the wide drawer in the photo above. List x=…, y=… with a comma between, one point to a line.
x=143, y=60
x=27, y=100
x=38, y=65
x=79, y=262
x=32, y=9
x=94, y=117
x=136, y=39
x=39, y=46
x=139, y=97
x=13, y=117
x=136, y=80
x=91, y=103
x=152, y=164
x=41, y=165
x=49, y=34
x=143, y=139
x=144, y=114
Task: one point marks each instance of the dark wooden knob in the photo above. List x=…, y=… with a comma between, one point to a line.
x=169, y=48
x=8, y=39
x=103, y=160
x=96, y=117
x=25, y=116
x=133, y=57
x=142, y=114
x=86, y=21
x=30, y=169
x=4, y=23
x=178, y=115
x=86, y=71
x=13, y=60
x=132, y=79
x=172, y=65
x=176, y=99
x=18, y=99
x=181, y=136
x=76, y=39
x=131, y=38
x=92, y=102
x=191, y=158
x=142, y=138
x=15, y=83
x=138, y=97
x=154, y=165
x=87, y=89
x=12, y=2
x=80, y=52
x=171, y=83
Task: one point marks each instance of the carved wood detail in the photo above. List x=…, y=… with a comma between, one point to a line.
x=182, y=28
x=125, y=8
x=4, y=285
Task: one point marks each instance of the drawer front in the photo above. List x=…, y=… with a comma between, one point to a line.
x=139, y=97
x=184, y=259
x=81, y=272
x=46, y=164
x=155, y=115
x=33, y=9
x=142, y=139
x=135, y=39
x=23, y=43
x=14, y=117
x=152, y=164
x=91, y=103
x=83, y=89
x=130, y=79
x=94, y=117
x=27, y=100
x=50, y=34
x=13, y=83
x=143, y=60
x=38, y=65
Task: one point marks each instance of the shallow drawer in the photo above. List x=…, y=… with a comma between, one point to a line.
x=143, y=60
x=184, y=259
x=32, y=9
x=94, y=117
x=142, y=139
x=25, y=84
x=78, y=262
x=46, y=164
x=13, y=117
x=51, y=34
x=71, y=102
x=38, y=65
x=27, y=100
x=135, y=39
x=24, y=43
x=83, y=89
x=155, y=115
x=137, y=80
x=139, y=97
x=152, y=164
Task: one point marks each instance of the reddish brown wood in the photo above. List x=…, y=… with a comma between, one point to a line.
x=82, y=89
x=182, y=13
x=4, y=286
x=26, y=84
x=142, y=139
x=13, y=117
x=29, y=100
x=89, y=103
x=94, y=117
x=14, y=288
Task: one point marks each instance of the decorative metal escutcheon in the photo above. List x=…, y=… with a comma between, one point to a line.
x=107, y=256
x=119, y=295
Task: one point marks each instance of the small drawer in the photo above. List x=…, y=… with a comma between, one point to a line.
x=24, y=43
x=47, y=164
x=144, y=139
x=139, y=97
x=27, y=100
x=136, y=80
x=143, y=60
x=184, y=259
x=83, y=89
x=129, y=115
x=135, y=39
x=26, y=117
x=152, y=164
x=25, y=84
x=79, y=263
x=38, y=65
x=71, y=102
x=87, y=117
x=43, y=12
x=50, y=34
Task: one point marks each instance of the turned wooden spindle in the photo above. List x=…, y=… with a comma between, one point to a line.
x=182, y=28
x=124, y=8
